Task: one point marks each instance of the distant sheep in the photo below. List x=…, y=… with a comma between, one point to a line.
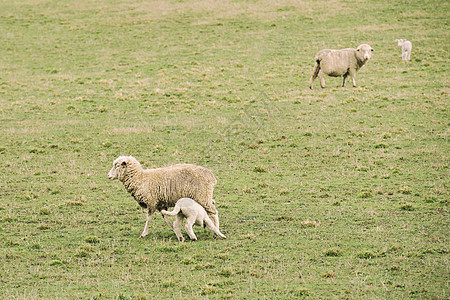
x=335, y=63
x=406, y=49
x=157, y=189
x=195, y=214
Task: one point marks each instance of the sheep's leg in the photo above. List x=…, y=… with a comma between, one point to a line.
x=314, y=74
x=352, y=74
x=343, y=82
x=322, y=79
x=215, y=220
x=167, y=220
x=188, y=226
x=149, y=217
x=177, y=227
x=211, y=226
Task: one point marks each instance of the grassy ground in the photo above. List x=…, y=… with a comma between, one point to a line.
x=333, y=193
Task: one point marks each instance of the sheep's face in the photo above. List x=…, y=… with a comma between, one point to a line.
x=400, y=42
x=364, y=51
x=119, y=168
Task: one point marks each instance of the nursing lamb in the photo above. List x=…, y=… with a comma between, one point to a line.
x=195, y=214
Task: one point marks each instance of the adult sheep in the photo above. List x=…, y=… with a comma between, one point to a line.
x=158, y=189
x=335, y=63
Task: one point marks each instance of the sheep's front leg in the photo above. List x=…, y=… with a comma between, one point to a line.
x=215, y=219
x=188, y=226
x=211, y=226
x=149, y=217
x=352, y=74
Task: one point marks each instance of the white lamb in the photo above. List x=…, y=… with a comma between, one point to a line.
x=406, y=48
x=344, y=62
x=194, y=214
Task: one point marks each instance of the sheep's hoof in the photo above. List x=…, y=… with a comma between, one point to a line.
x=141, y=237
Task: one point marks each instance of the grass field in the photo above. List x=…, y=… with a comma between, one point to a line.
x=328, y=193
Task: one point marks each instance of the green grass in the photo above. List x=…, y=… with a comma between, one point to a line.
x=323, y=194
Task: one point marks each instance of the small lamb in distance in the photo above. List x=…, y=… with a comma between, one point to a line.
x=194, y=214
x=344, y=62
x=406, y=48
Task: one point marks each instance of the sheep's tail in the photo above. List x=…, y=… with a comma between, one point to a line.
x=174, y=212
x=315, y=72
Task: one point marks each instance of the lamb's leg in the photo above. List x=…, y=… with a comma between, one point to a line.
x=149, y=217
x=177, y=227
x=189, y=223
x=211, y=226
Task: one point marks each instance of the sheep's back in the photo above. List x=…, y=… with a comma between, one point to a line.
x=335, y=62
x=182, y=181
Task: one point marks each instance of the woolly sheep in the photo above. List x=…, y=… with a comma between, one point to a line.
x=345, y=62
x=406, y=48
x=195, y=214
x=157, y=189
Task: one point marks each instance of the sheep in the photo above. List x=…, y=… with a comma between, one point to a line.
x=345, y=62
x=195, y=214
x=157, y=189
x=406, y=48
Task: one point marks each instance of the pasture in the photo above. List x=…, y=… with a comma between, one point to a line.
x=328, y=193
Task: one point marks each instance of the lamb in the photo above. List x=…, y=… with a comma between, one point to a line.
x=406, y=49
x=157, y=189
x=345, y=62
x=195, y=214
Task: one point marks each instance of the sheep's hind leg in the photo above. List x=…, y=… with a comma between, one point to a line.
x=149, y=217
x=322, y=79
x=167, y=220
x=343, y=81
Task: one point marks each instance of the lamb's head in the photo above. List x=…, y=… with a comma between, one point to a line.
x=364, y=52
x=121, y=166
x=400, y=42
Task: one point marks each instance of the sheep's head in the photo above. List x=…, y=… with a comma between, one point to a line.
x=120, y=167
x=364, y=51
